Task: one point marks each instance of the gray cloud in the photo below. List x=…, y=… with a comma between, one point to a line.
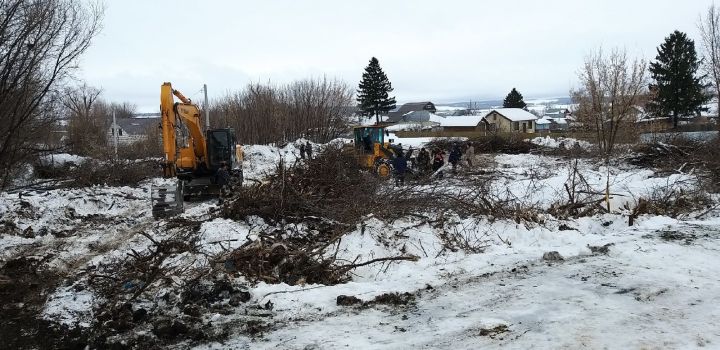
x=440, y=50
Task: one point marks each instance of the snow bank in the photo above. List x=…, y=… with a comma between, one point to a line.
x=220, y=234
x=409, y=127
x=550, y=142
x=70, y=307
x=417, y=142
x=539, y=181
x=63, y=208
x=62, y=159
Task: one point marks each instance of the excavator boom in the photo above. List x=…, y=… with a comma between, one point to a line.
x=193, y=155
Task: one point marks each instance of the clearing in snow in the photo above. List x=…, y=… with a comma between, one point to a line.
x=520, y=251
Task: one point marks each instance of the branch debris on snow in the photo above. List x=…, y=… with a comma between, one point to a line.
x=475, y=281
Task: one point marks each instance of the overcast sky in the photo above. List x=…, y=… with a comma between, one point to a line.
x=444, y=51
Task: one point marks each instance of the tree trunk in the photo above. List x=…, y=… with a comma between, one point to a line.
x=717, y=113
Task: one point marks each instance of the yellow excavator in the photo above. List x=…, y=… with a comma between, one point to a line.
x=190, y=155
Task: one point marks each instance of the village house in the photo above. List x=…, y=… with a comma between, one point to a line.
x=399, y=114
x=131, y=130
x=549, y=124
x=510, y=120
x=424, y=120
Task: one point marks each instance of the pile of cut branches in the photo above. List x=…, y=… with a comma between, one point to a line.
x=95, y=172
x=331, y=186
x=682, y=155
x=582, y=200
x=504, y=144
x=296, y=258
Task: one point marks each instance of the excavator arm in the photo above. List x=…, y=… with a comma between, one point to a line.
x=187, y=157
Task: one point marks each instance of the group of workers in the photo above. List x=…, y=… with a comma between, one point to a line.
x=431, y=162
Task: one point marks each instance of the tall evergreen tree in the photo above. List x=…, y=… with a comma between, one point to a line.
x=514, y=100
x=373, y=91
x=679, y=90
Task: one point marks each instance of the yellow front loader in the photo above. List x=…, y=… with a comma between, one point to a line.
x=373, y=150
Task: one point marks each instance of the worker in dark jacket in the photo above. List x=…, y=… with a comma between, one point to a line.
x=308, y=150
x=455, y=156
x=302, y=151
x=400, y=166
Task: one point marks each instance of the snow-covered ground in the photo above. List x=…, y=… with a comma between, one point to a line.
x=555, y=142
x=263, y=160
x=655, y=288
x=646, y=293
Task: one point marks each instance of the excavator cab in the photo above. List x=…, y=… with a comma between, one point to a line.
x=372, y=150
x=221, y=148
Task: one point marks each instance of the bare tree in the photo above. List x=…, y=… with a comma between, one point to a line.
x=709, y=26
x=79, y=100
x=319, y=109
x=40, y=42
x=611, y=87
x=89, y=119
x=123, y=110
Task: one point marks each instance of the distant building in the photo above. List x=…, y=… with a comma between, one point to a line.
x=551, y=124
x=398, y=114
x=510, y=120
x=131, y=130
x=424, y=120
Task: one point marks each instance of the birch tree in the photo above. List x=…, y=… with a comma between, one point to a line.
x=611, y=86
x=709, y=26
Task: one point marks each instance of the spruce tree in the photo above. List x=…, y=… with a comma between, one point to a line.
x=514, y=100
x=373, y=91
x=679, y=90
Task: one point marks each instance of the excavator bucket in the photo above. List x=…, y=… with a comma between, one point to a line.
x=167, y=200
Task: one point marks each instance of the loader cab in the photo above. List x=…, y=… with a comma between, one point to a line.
x=367, y=137
x=220, y=147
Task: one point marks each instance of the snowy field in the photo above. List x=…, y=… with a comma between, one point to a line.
x=652, y=285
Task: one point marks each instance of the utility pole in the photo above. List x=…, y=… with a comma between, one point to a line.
x=207, y=109
x=115, y=135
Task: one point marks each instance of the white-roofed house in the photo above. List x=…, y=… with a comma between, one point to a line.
x=459, y=123
x=510, y=120
x=131, y=130
x=425, y=120
x=543, y=124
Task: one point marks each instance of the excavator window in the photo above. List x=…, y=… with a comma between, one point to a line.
x=365, y=138
x=221, y=147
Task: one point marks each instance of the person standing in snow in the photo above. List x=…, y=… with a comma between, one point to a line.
x=302, y=151
x=423, y=160
x=400, y=166
x=408, y=157
x=308, y=149
x=469, y=154
x=438, y=161
x=239, y=157
x=455, y=156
